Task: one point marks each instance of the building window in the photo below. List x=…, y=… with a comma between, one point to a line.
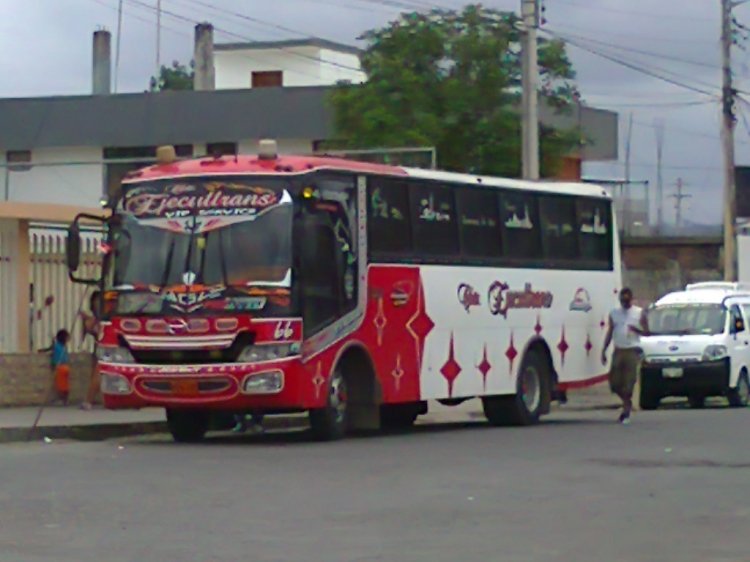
x=18, y=160
x=221, y=148
x=267, y=79
x=143, y=152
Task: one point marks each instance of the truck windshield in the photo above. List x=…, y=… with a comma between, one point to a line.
x=688, y=319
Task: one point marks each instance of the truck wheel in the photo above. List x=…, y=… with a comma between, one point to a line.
x=329, y=423
x=739, y=396
x=187, y=426
x=649, y=398
x=532, y=390
x=697, y=401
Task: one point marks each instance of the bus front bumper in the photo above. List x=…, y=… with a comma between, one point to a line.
x=273, y=385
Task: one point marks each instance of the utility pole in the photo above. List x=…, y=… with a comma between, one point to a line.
x=529, y=81
x=117, y=44
x=679, y=196
x=626, y=200
x=158, y=39
x=659, y=128
x=727, y=137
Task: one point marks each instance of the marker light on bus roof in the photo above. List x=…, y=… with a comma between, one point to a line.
x=267, y=149
x=166, y=154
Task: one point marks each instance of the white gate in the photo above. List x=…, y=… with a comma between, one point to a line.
x=8, y=293
x=56, y=300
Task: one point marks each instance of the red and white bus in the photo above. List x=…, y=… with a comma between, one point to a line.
x=357, y=292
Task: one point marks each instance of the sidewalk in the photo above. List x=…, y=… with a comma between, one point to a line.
x=72, y=423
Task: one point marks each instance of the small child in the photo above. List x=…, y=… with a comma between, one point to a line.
x=61, y=365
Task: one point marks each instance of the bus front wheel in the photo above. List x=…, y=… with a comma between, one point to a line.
x=187, y=426
x=330, y=422
x=525, y=407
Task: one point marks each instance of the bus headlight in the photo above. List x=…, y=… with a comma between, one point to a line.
x=115, y=384
x=714, y=352
x=263, y=383
x=269, y=352
x=114, y=354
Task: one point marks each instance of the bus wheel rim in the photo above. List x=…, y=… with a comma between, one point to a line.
x=531, y=390
x=338, y=396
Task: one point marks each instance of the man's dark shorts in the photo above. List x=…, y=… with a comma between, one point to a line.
x=624, y=372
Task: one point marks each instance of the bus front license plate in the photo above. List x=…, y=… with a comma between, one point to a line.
x=187, y=387
x=672, y=372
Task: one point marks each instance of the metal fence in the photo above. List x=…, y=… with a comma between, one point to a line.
x=55, y=300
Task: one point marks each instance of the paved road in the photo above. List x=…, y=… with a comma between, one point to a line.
x=675, y=485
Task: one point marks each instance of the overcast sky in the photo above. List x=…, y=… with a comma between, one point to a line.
x=45, y=49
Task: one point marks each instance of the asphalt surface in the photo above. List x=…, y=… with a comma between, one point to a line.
x=674, y=485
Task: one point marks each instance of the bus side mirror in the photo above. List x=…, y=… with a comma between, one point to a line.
x=73, y=248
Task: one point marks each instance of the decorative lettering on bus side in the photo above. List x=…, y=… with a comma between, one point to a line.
x=501, y=299
x=467, y=296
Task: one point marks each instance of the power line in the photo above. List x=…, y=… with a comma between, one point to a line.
x=633, y=66
x=649, y=15
x=664, y=56
x=245, y=38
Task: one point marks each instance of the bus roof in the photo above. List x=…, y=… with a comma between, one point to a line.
x=284, y=164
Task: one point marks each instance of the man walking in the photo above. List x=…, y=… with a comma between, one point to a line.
x=626, y=325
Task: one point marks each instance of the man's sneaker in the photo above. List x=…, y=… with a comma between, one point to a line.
x=624, y=418
x=239, y=428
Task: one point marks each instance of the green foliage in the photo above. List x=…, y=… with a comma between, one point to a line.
x=175, y=77
x=452, y=80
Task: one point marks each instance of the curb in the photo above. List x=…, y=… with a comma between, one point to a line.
x=104, y=431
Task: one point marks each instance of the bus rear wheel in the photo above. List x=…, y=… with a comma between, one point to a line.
x=527, y=405
x=187, y=426
x=330, y=422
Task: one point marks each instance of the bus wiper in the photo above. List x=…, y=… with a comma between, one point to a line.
x=168, y=262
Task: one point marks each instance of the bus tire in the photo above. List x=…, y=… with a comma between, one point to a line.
x=187, y=426
x=330, y=422
x=526, y=405
x=739, y=396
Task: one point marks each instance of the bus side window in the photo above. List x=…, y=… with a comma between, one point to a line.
x=595, y=231
x=479, y=223
x=558, y=220
x=520, y=225
x=433, y=220
x=388, y=225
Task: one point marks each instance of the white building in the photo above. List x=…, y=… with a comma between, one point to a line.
x=302, y=62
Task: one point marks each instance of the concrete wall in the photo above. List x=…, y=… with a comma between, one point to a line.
x=52, y=178
x=654, y=267
x=26, y=379
x=301, y=66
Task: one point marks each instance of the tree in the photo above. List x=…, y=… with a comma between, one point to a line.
x=452, y=80
x=175, y=77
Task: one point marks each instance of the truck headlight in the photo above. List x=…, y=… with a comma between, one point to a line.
x=714, y=352
x=263, y=383
x=114, y=354
x=115, y=384
x=269, y=352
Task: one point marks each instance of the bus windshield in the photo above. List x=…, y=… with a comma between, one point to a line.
x=208, y=241
x=687, y=320
x=244, y=253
